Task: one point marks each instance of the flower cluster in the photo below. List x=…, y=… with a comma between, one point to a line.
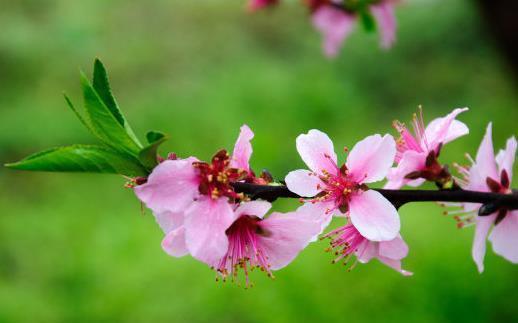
x=336, y=19
x=202, y=214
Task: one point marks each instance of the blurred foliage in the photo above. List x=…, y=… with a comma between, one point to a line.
x=77, y=248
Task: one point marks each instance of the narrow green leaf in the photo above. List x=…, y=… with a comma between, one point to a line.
x=101, y=85
x=81, y=158
x=148, y=155
x=79, y=115
x=104, y=123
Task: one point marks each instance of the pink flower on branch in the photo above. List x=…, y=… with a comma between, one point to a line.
x=202, y=193
x=347, y=242
x=492, y=174
x=417, y=153
x=251, y=240
x=343, y=190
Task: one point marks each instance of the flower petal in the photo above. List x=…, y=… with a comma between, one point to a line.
x=303, y=182
x=316, y=212
x=371, y=158
x=410, y=162
x=242, y=149
x=504, y=237
x=386, y=22
x=445, y=129
x=205, y=223
x=253, y=208
x=334, y=25
x=172, y=186
x=288, y=235
x=174, y=243
x=169, y=221
x=394, y=249
x=478, y=250
x=395, y=264
x=505, y=158
x=317, y=151
x=367, y=251
x=374, y=216
x=485, y=165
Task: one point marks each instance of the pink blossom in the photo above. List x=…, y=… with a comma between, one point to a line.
x=342, y=190
x=265, y=243
x=335, y=23
x=254, y=5
x=203, y=194
x=417, y=153
x=492, y=174
x=347, y=241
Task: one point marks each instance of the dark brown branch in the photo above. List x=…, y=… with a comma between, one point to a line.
x=490, y=201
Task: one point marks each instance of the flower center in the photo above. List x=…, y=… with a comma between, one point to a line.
x=216, y=177
x=503, y=187
x=338, y=188
x=244, y=249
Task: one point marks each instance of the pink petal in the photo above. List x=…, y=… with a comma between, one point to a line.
x=317, y=151
x=505, y=158
x=242, y=149
x=315, y=212
x=370, y=159
x=303, y=182
x=374, y=216
x=386, y=21
x=416, y=182
x=205, y=223
x=445, y=129
x=253, y=208
x=174, y=243
x=288, y=235
x=504, y=237
x=410, y=162
x=485, y=165
x=367, y=251
x=172, y=186
x=394, y=249
x=395, y=264
x=169, y=221
x=479, y=243
x=334, y=25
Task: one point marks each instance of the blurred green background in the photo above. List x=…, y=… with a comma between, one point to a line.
x=76, y=248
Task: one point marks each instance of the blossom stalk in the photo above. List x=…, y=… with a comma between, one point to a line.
x=397, y=197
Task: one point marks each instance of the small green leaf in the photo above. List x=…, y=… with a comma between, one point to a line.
x=148, y=155
x=81, y=158
x=368, y=22
x=104, y=123
x=102, y=87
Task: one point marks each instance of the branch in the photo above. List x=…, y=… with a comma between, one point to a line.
x=490, y=201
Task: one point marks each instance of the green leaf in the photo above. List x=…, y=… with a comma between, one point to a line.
x=104, y=123
x=81, y=158
x=102, y=87
x=79, y=115
x=368, y=22
x=148, y=155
